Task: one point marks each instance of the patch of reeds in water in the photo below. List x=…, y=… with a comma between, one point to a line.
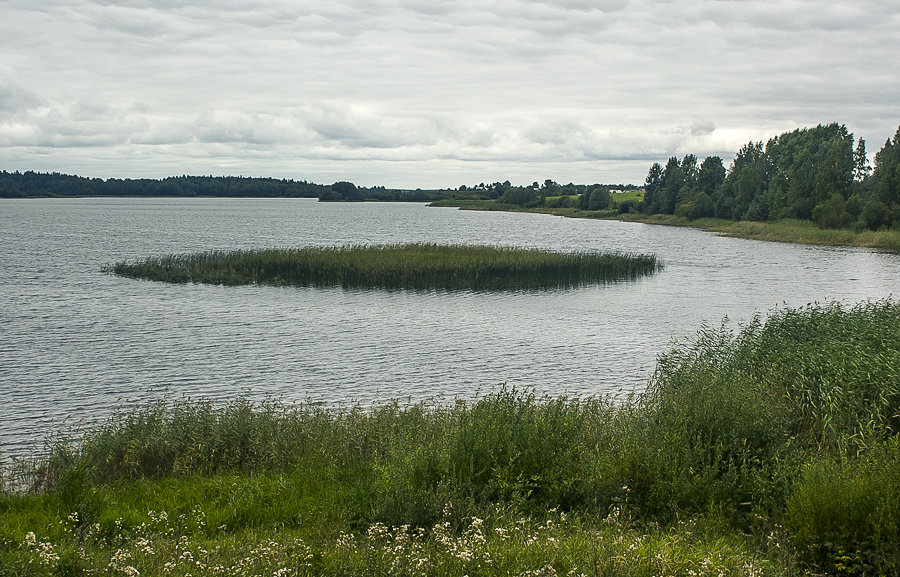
x=395, y=266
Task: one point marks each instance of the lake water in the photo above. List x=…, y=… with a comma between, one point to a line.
x=76, y=343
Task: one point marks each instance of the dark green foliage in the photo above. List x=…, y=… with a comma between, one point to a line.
x=845, y=513
x=343, y=191
x=411, y=266
x=808, y=167
x=16, y=184
x=653, y=189
x=522, y=196
x=807, y=174
x=861, y=167
x=748, y=179
x=711, y=175
x=831, y=213
x=886, y=185
x=594, y=198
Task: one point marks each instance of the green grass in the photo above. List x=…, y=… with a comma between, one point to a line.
x=806, y=232
x=401, y=266
x=767, y=449
x=628, y=195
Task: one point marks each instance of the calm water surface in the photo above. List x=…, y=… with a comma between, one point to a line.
x=77, y=343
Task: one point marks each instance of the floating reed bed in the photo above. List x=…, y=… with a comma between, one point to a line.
x=395, y=266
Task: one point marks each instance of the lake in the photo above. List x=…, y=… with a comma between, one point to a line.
x=77, y=343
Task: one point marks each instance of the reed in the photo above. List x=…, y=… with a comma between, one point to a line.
x=398, y=266
x=782, y=435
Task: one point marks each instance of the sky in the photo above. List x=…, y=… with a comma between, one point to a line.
x=431, y=93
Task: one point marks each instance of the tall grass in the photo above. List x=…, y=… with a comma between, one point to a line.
x=784, y=430
x=399, y=266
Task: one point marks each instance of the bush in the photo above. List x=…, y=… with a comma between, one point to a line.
x=845, y=513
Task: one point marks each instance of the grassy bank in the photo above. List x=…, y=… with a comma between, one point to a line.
x=401, y=266
x=772, y=450
x=793, y=231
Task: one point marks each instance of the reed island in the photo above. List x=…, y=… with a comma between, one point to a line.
x=395, y=266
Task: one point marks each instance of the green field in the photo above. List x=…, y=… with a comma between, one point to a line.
x=768, y=449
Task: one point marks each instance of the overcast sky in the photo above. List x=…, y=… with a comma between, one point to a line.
x=430, y=93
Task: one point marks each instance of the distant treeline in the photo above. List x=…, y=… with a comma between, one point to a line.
x=54, y=184
x=815, y=174
x=810, y=174
x=30, y=184
x=551, y=194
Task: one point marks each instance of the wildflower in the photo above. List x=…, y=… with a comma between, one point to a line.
x=43, y=549
x=144, y=545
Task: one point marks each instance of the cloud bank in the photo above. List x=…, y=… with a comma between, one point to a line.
x=410, y=93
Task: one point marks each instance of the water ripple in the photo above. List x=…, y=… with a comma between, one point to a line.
x=78, y=343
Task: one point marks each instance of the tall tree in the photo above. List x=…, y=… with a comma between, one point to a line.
x=652, y=188
x=711, y=175
x=673, y=180
x=861, y=167
x=883, y=209
x=745, y=185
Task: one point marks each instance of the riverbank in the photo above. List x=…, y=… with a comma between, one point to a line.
x=772, y=451
x=791, y=231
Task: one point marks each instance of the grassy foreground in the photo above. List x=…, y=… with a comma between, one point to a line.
x=399, y=266
x=772, y=450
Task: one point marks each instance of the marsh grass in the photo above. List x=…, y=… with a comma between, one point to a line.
x=771, y=448
x=400, y=266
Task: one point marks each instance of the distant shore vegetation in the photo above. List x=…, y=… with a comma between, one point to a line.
x=820, y=175
x=394, y=266
x=769, y=450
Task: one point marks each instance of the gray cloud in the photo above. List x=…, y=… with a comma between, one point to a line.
x=585, y=90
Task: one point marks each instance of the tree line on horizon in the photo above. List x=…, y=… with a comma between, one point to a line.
x=40, y=184
x=812, y=174
x=31, y=184
x=816, y=174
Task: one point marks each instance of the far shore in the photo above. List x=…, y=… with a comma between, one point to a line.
x=790, y=231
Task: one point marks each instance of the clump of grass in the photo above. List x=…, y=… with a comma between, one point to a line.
x=399, y=266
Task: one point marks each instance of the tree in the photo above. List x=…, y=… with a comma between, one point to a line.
x=672, y=181
x=599, y=198
x=652, y=187
x=711, y=175
x=745, y=183
x=522, y=196
x=831, y=213
x=886, y=176
x=807, y=166
x=861, y=167
x=346, y=191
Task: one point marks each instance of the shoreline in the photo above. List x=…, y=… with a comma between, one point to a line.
x=789, y=231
